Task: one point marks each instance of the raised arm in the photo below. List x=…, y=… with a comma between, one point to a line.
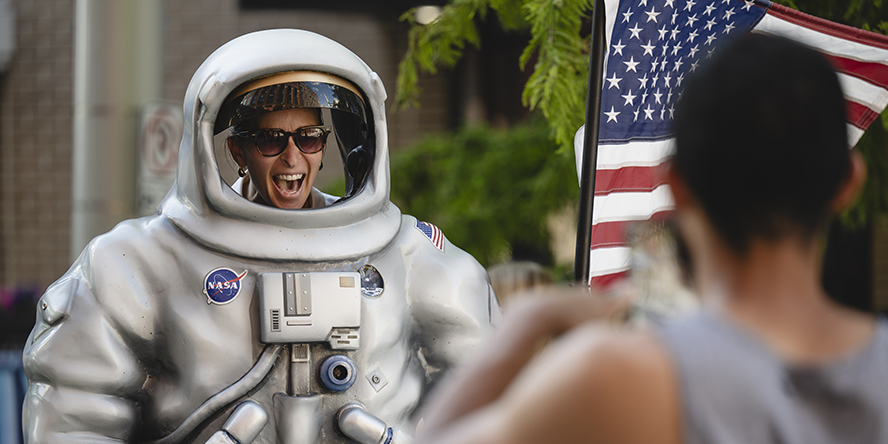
x=531, y=322
x=589, y=383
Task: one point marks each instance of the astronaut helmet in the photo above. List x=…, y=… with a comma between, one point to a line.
x=342, y=113
x=255, y=75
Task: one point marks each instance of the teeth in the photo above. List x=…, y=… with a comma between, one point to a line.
x=288, y=183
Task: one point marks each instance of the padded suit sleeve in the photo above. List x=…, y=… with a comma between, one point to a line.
x=83, y=379
x=453, y=305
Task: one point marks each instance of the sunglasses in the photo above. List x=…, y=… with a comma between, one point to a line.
x=271, y=142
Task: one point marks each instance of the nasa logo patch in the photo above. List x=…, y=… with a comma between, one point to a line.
x=222, y=285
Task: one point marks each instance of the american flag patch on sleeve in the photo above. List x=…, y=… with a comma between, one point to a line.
x=432, y=232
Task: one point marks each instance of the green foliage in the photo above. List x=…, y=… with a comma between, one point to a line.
x=865, y=14
x=560, y=76
x=557, y=86
x=489, y=191
x=439, y=43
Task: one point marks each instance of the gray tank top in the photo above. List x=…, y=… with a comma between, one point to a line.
x=736, y=390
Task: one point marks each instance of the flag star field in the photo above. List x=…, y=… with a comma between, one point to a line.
x=655, y=44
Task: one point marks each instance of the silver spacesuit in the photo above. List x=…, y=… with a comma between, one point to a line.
x=223, y=320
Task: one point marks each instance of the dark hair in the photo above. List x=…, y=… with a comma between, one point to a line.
x=761, y=139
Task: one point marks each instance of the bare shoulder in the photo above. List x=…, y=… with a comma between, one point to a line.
x=593, y=384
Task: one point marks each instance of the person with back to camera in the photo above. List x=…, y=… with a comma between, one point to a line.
x=268, y=311
x=761, y=164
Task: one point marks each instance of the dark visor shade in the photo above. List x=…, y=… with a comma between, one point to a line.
x=290, y=95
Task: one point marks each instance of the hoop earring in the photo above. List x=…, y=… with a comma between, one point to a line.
x=322, y=166
x=241, y=171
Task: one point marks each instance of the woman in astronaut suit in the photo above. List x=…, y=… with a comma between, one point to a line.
x=277, y=139
x=230, y=317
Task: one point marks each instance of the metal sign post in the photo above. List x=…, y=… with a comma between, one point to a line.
x=597, y=51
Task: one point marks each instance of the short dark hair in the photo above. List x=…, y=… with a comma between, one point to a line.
x=761, y=139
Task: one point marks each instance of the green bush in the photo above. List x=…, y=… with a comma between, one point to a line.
x=490, y=191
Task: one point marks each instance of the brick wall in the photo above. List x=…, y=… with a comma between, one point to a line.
x=36, y=114
x=35, y=145
x=36, y=107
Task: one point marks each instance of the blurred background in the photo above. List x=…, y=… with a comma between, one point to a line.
x=80, y=75
x=136, y=58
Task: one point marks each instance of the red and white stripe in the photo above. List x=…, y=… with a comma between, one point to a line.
x=860, y=58
x=629, y=187
x=437, y=236
x=629, y=182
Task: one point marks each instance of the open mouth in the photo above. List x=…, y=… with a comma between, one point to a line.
x=288, y=184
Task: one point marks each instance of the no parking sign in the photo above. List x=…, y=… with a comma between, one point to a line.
x=160, y=135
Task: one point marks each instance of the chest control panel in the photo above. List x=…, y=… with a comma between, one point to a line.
x=310, y=307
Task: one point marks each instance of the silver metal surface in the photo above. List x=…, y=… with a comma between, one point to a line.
x=300, y=370
x=361, y=426
x=309, y=307
x=226, y=396
x=377, y=379
x=364, y=428
x=246, y=422
x=298, y=418
x=358, y=227
x=140, y=337
x=221, y=437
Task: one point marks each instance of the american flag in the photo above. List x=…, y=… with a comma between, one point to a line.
x=433, y=233
x=652, y=46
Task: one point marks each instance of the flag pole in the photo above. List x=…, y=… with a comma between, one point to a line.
x=597, y=51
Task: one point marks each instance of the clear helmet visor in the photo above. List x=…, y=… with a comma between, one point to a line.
x=340, y=104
